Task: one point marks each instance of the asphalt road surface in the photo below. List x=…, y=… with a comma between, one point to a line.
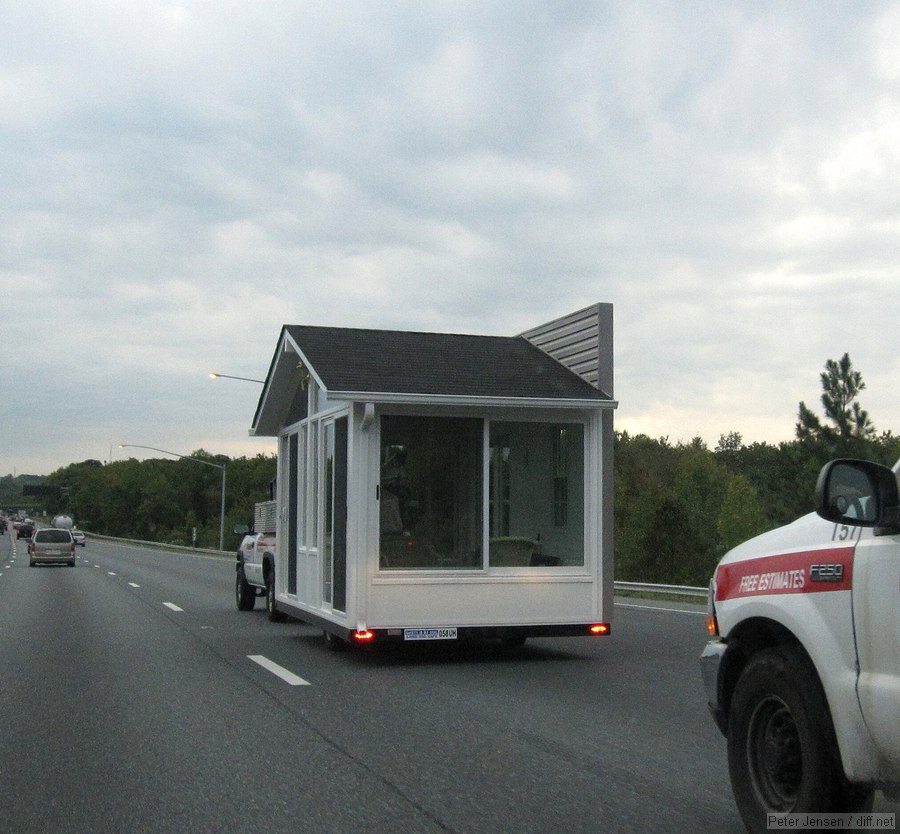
x=136, y=698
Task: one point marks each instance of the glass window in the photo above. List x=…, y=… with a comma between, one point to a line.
x=327, y=544
x=334, y=555
x=303, y=489
x=293, y=486
x=313, y=481
x=430, y=493
x=499, y=498
x=537, y=494
x=561, y=476
x=52, y=536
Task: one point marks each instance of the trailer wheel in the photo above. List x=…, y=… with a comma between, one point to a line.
x=244, y=592
x=782, y=752
x=274, y=614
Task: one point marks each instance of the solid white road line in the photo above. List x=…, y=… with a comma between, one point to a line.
x=660, y=608
x=278, y=671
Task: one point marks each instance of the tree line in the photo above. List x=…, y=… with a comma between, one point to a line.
x=678, y=507
x=163, y=500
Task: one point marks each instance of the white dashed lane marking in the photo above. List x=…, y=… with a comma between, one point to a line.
x=279, y=671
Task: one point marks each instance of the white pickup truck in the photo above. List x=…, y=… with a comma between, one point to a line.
x=255, y=568
x=803, y=668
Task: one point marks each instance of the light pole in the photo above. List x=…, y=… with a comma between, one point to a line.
x=214, y=375
x=198, y=460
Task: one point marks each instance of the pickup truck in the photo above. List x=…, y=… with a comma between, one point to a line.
x=255, y=568
x=803, y=669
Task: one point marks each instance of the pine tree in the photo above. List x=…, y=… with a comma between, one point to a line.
x=841, y=386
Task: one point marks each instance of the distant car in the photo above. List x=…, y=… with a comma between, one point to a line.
x=79, y=537
x=24, y=530
x=51, y=544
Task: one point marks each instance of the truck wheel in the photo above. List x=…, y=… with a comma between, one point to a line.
x=782, y=753
x=244, y=592
x=275, y=615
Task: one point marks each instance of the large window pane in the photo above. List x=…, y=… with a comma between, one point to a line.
x=537, y=494
x=430, y=493
x=328, y=543
x=293, y=454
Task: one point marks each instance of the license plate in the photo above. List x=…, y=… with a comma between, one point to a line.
x=51, y=553
x=429, y=633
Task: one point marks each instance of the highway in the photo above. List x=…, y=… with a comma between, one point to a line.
x=136, y=697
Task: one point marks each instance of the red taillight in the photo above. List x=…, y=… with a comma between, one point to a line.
x=364, y=636
x=600, y=628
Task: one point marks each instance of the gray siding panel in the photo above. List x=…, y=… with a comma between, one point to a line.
x=581, y=341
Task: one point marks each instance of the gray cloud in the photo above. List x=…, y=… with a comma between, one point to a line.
x=181, y=179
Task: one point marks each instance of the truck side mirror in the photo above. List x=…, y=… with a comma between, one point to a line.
x=858, y=493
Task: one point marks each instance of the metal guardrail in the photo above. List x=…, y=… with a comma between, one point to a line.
x=176, y=548
x=634, y=587
x=650, y=588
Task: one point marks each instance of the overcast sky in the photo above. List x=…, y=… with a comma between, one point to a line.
x=180, y=179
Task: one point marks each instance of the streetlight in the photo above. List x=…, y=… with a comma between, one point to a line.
x=198, y=460
x=214, y=375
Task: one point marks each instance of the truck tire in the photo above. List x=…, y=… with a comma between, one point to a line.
x=244, y=592
x=274, y=614
x=782, y=752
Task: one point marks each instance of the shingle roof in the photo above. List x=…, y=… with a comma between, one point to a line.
x=404, y=362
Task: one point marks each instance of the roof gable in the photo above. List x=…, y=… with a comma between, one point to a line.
x=357, y=364
x=404, y=362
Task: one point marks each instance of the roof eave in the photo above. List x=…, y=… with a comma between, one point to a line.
x=472, y=400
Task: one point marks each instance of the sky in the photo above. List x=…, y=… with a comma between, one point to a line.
x=180, y=179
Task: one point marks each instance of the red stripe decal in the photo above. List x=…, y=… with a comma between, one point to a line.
x=804, y=572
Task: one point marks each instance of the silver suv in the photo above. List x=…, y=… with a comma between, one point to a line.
x=51, y=544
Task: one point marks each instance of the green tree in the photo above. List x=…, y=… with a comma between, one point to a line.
x=731, y=442
x=740, y=516
x=841, y=385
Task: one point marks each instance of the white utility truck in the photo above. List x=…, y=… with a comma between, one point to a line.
x=255, y=568
x=803, y=668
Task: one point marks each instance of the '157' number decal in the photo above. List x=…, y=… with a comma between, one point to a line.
x=845, y=533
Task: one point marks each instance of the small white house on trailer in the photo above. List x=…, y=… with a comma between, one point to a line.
x=436, y=486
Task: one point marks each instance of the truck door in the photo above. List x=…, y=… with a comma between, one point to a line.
x=876, y=592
